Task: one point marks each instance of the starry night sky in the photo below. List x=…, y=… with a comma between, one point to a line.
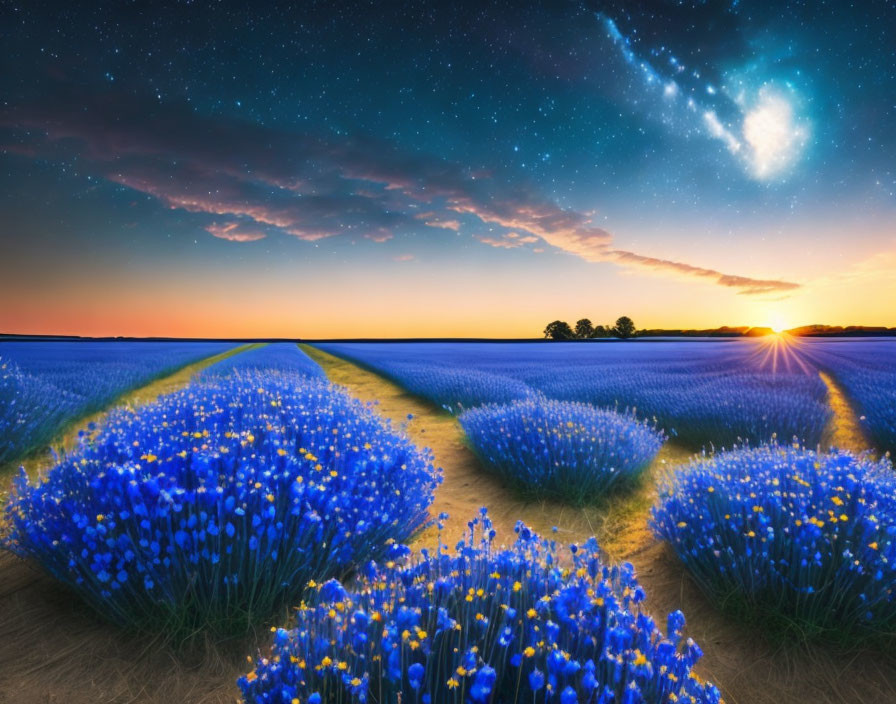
x=463, y=168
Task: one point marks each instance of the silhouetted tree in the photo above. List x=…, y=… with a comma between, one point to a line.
x=584, y=329
x=600, y=331
x=559, y=330
x=624, y=328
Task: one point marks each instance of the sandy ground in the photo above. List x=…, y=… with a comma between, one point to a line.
x=747, y=668
x=53, y=649
x=844, y=430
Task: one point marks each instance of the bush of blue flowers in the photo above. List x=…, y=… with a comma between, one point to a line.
x=481, y=624
x=218, y=503
x=805, y=538
x=560, y=449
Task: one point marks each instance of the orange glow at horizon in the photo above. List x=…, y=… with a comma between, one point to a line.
x=421, y=298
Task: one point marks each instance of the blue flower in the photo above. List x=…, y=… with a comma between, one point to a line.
x=483, y=684
x=568, y=696
x=536, y=679
x=415, y=676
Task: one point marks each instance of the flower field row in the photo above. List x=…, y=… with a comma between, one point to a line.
x=277, y=357
x=867, y=371
x=46, y=385
x=700, y=393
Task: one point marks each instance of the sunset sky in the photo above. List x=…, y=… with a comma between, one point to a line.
x=445, y=169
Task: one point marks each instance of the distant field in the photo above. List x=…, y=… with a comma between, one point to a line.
x=46, y=385
x=702, y=393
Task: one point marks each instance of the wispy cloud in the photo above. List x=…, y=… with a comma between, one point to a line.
x=252, y=180
x=235, y=232
x=510, y=240
x=744, y=284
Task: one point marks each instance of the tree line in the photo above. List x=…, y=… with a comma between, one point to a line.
x=585, y=330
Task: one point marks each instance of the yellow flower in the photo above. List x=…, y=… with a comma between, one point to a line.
x=529, y=652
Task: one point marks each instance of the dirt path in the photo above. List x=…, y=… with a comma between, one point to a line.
x=844, y=430
x=737, y=658
x=54, y=649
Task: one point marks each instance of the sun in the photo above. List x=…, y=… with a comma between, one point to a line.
x=778, y=323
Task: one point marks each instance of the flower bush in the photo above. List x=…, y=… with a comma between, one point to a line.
x=529, y=623
x=560, y=449
x=217, y=504
x=806, y=537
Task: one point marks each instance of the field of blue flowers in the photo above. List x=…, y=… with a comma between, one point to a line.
x=46, y=385
x=701, y=393
x=275, y=358
x=867, y=371
x=260, y=497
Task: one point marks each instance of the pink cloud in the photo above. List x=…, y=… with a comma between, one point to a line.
x=235, y=232
x=445, y=224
